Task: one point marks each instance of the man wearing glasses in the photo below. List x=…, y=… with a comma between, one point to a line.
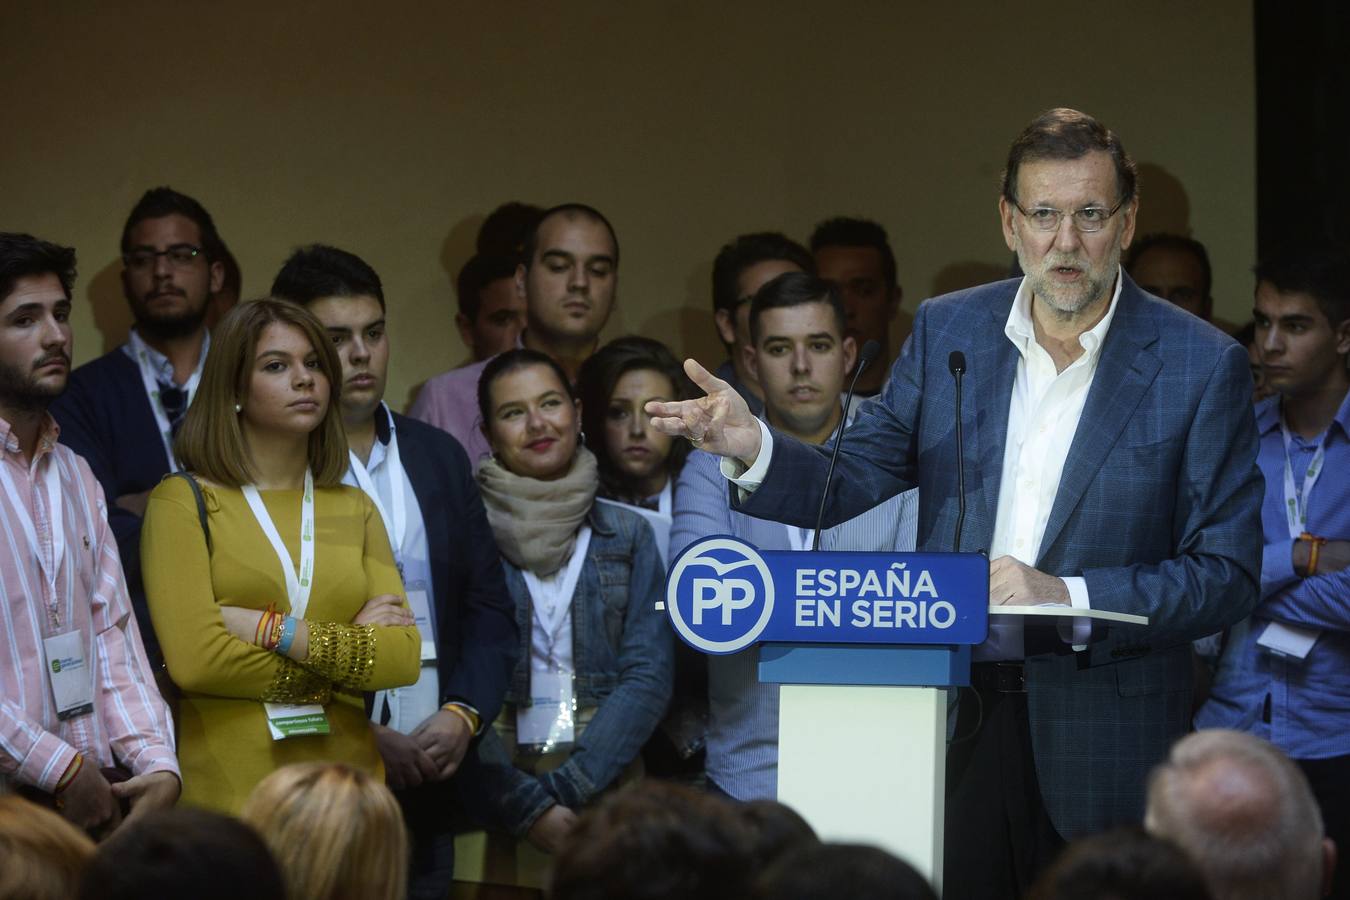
x=1110, y=455
x=122, y=410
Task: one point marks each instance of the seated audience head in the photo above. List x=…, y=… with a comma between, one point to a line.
x=569, y=277
x=1244, y=813
x=1246, y=336
x=173, y=261
x=36, y=278
x=655, y=841
x=531, y=417
x=1302, y=313
x=775, y=829
x=635, y=460
x=336, y=831
x=41, y=854
x=1125, y=864
x=827, y=871
x=1174, y=268
x=1068, y=209
x=855, y=256
x=800, y=355
x=189, y=853
x=739, y=271
x=491, y=310
x=346, y=296
x=272, y=375
x=506, y=228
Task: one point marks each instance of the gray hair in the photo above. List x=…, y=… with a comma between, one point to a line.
x=1245, y=814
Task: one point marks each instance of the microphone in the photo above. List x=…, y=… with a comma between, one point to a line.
x=869, y=352
x=956, y=364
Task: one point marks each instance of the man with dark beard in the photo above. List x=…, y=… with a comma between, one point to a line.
x=121, y=410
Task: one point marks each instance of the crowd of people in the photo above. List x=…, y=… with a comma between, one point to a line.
x=267, y=634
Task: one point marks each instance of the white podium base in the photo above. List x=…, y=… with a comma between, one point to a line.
x=868, y=764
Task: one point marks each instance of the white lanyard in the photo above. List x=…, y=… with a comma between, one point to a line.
x=299, y=585
x=553, y=602
x=141, y=353
x=663, y=504
x=800, y=538
x=55, y=518
x=396, y=525
x=1295, y=501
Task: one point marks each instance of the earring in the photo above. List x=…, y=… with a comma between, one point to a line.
x=238, y=408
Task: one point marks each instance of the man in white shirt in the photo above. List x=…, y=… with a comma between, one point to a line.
x=1110, y=456
x=423, y=486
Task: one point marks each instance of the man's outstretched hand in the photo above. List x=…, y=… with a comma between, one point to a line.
x=719, y=422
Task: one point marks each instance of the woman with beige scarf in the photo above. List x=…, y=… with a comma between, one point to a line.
x=594, y=675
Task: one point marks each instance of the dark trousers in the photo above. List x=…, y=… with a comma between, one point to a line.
x=999, y=836
x=429, y=811
x=1330, y=781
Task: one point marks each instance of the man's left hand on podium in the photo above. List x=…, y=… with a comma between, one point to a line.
x=1012, y=583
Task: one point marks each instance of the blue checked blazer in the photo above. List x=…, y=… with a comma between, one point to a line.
x=1158, y=510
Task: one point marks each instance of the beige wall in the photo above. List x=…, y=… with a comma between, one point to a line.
x=390, y=129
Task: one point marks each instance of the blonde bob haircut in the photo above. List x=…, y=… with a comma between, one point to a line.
x=41, y=854
x=336, y=831
x=210, y=441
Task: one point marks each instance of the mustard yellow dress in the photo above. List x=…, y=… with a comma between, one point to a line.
x=224, y=746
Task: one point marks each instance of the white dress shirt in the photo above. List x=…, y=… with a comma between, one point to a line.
x=1043, y=416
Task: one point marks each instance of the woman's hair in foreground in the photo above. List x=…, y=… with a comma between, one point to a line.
x=41, y=854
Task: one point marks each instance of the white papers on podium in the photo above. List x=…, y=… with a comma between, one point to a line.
x=1063, y=610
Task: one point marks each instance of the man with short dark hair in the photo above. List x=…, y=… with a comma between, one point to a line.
x=77, y=695
x=856, y=256
x=741, y=268
x=1285, y=671
x=801, y=358
x=1176, y=269
x=1243, y=812
x=423, y=486
x=123, y=409
x=568, y=278
x=491, y=311
x=1110, y=455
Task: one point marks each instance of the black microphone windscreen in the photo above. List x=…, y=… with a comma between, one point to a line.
x=869, y=352
x=956, y=363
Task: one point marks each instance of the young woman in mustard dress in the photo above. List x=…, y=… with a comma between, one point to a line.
x=287, y=606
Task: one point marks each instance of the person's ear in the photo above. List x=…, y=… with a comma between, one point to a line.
x=725, y=320
x=217, y=277
x=465, y=326
x=751, y=360
x=1005, y=217
x=850, y=347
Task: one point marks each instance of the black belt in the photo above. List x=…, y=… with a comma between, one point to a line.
x=999, y=677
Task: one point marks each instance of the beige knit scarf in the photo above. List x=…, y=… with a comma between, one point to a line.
x=535, y=522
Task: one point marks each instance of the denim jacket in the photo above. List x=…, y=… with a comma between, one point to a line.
x=623, y=653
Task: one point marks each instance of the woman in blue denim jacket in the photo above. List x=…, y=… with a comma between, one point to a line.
x=595, y=669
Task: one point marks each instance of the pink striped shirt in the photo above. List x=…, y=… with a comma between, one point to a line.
x=130, y=723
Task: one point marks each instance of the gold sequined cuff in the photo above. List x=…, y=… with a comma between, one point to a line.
x=296, y=684
x=343, y=654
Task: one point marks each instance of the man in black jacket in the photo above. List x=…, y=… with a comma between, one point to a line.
x=421, y=482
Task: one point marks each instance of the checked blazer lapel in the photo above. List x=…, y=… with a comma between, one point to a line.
x=1124, y=374
x=995, y=369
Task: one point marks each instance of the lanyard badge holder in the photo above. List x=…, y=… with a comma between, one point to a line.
x=285, y=720
x=549, y=723
x=72, y=679
x=1292, y=641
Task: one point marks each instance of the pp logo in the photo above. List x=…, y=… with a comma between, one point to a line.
x=720, y=595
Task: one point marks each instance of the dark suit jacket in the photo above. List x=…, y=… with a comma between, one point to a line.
x=475, y=616
x=1158, y=510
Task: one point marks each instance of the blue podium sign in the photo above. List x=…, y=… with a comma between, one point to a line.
x=724, y=595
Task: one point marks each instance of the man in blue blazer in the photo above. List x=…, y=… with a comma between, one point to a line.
x=1110, y=459
x=423, y=486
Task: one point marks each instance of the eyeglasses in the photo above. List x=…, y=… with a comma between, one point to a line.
x=1086, y=220
x=179, y=255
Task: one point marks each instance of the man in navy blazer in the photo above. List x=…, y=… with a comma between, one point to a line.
x=423, y=486
x=1110, y=456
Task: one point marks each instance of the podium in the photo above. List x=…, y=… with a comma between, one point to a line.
x=866, y=647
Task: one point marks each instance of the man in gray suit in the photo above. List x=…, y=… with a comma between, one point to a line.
x=801, y=358
x=1111, y=449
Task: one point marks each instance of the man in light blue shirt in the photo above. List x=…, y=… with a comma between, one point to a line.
x=1285, y=671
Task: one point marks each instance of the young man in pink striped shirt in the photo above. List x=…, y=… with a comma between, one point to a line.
x=76, y=691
